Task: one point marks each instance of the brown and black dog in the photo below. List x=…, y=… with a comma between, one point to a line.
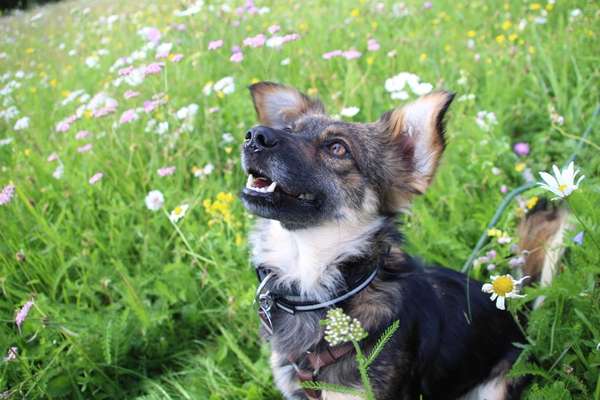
x=327, y=193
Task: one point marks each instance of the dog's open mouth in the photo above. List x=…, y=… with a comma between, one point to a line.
x=258, y=184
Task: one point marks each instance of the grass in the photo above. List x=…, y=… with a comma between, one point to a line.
x=128, y=306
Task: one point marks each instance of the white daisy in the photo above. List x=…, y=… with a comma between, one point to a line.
x=178, y=213
x=502, y=288
x=562, y=184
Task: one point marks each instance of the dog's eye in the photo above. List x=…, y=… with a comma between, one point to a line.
x=338, y=149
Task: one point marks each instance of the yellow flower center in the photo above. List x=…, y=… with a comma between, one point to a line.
x=503, y=285
x=177, y=210
x=562, y=187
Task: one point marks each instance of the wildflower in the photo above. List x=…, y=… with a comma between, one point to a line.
x=331, y=54
x=202, y=172
x=215, y=44
x=562, y=184
x=151, y=105
x=532, y=202
x=166, y=171
x=96, y=178
x=516, y=262
x=162, y=128
x=58, y=172
x=128, y=116
x=191, y=10
x=52, y=157
x=154, y=200
x=351, y=54
x=81, y=135
x=349, y=111
x=85, y=148
x=503, y=189
x=341, y=328
x=521, y=149
x=153, y=69
x=163, y=50
x=373, y=45
x=22, y=313
x=187, y=111
x=502, y=288
x=227, y=137
x=11, y=355
x=273, y=29
x=578, y=239
x=485, y=120
x=255, y=41
x=150, y=33
x=22, y=123
x=237, y=57
x=225, y=85
x=178, y=213
x=176, y=57
x=7, y=194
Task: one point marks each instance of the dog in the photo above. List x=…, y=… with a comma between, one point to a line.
x=326, y=194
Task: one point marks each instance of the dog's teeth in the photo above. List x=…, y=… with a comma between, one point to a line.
x=249, y=181
x=271, y=187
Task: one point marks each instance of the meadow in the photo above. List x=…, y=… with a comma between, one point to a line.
x=108, y=291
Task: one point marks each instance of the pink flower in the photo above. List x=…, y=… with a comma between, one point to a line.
x=290, y=37
x=215, y=44
x=333, y=53
x=237, y=57
x=7, y=194
x=153, y=68
x=130, y=94
x=63, y=126
x=128, y=116
x=150, y=105
x=373, y=45
x=52, y=157
x=503, y=189
x=151, y=34
x=85, y=148
x=255, y=41
x=82, y=135
x=177, y=57
x=213, y=110
x=274, y=29
x=521, y=149
x=101, y=112
x=166, y=171
x=126, y=71
x=22, y=313
x=96, y=178
x=351, y=54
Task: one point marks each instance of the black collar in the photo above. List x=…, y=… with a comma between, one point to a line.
x=267, y=299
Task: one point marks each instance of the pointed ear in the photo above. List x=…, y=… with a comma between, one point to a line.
x=416, y=133
x=278, y=106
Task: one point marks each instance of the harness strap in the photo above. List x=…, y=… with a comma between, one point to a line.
x=317, y=361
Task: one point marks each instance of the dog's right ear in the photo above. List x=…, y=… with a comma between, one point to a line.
x=278, y=106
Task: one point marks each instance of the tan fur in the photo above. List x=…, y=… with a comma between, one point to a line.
x=541, y=234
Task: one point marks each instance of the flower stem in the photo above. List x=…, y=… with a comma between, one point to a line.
x=584, y=225
x=362, y=369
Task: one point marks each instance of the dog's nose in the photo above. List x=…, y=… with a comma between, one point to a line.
x=261, y=137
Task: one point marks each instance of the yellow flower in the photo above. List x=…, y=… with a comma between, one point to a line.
x=303, y=26
x=355, y=12
x=502, y=288
x=531, y=50
x=65, y=93
x=53, y=83
x=27, y=152
x=512, y=37
x=549, y=7
x=471, y=34
x=370, y=60
x=254, y=80
x=423, y=57
x=535, y=6
x=520, y=167
x=500, y=39
x=228, y=149
x=29, y=50
x=532, y=202
x=313, y=91
x=506, y=25
x=494, y=232
x=239, y=239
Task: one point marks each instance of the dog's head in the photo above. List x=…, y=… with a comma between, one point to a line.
x=305, y=168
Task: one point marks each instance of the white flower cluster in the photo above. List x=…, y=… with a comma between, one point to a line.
x=485, y=120
x=396, y=86
x=341, y=328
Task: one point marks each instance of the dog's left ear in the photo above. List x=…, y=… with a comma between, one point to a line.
x=277, y=106
x=416, y=136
